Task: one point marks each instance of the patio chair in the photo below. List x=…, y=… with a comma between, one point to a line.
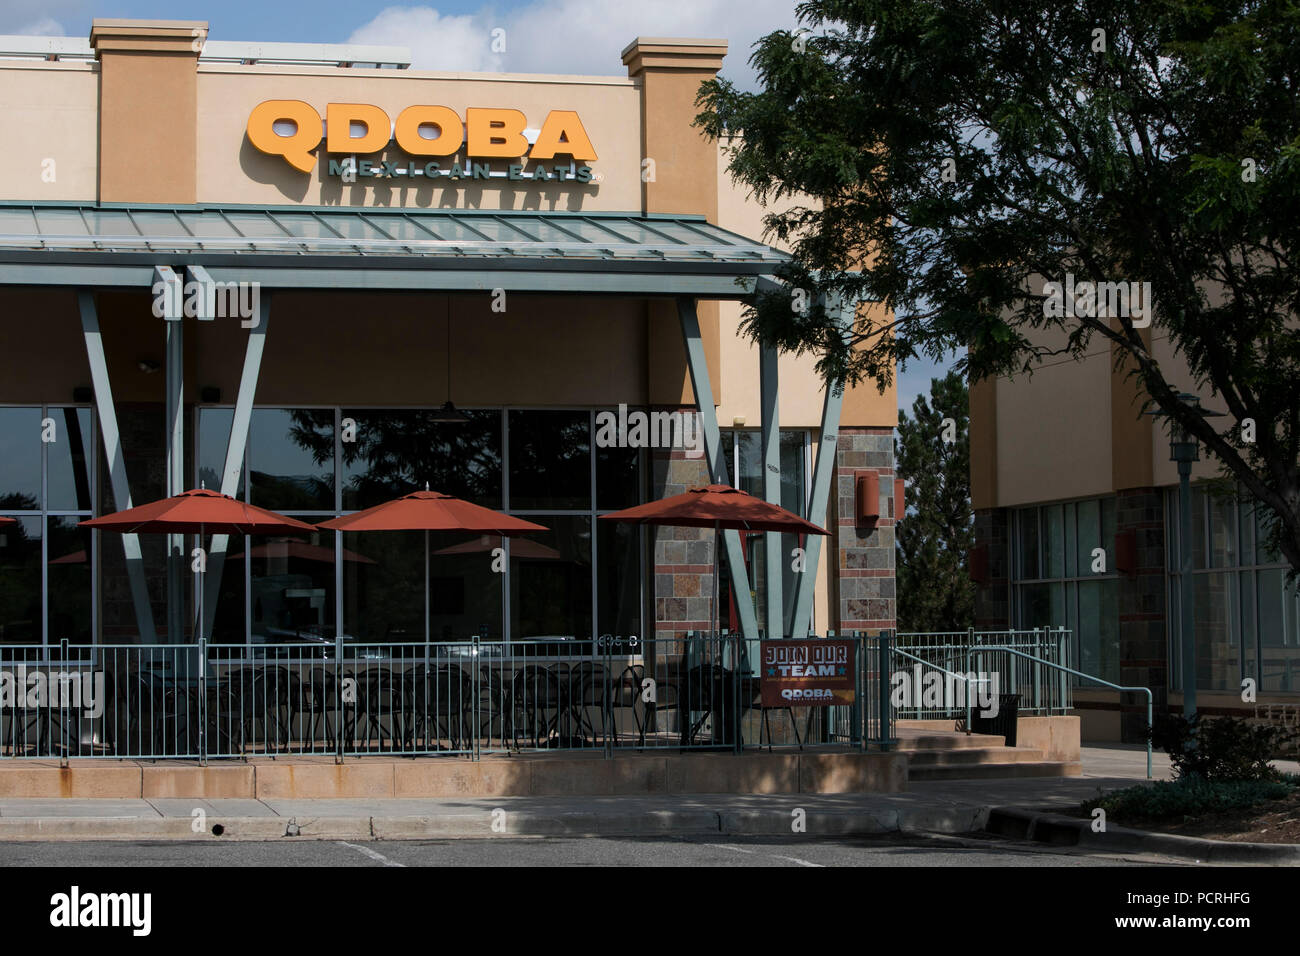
x=536, y=700
x=379, y=696
x=646, y=714
x=586, y=689
x=325, y=709
x=437, y=704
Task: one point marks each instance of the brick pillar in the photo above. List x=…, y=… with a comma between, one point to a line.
x=1143, y=649
x=683, y=557
x=991, y=569
x=865, y=552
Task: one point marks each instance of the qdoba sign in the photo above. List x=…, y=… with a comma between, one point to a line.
x=807, y=673
x=293, y=130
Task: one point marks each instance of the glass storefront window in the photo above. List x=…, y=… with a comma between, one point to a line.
x=70, y=575
x=550, y=460
x=396, y=452
x=20, y=581
x=47, y=483
x=550, y=585
x=291, y=459
x=213, y=433
x=68, y=473
x=1056, y=584
x=20, y=459
x=1053, y=542
x=291, y=588
x=1245, y=612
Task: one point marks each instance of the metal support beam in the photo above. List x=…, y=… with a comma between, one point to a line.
x=699, y=369
x=116, y=462
x=823, y=469
x=773, y=561
x=235, y=447
x=169, y=292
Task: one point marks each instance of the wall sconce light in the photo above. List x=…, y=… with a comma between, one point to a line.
x=868, y=498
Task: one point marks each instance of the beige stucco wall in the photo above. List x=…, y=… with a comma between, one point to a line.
x=50, y=111
x=801, y=387
x=1053, y=429
x=232, y=170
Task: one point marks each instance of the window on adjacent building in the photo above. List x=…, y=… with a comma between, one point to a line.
x=1064, y=576
x=1247, y=615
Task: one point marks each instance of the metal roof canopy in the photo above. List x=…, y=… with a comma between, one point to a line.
x=381, y=248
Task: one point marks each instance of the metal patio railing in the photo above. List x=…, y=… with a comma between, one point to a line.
x=984, y=662
x=342, y=698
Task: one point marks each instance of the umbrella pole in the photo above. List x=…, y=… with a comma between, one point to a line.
x=426, y=587
x=716, y=615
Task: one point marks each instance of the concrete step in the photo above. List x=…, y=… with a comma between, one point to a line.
x=910, y=743
x=1038, y=768
x=971, y=756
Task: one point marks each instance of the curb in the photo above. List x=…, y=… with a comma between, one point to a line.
x=515, y=823
x=1058, y=830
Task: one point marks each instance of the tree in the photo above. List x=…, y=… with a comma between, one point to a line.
x=933, y=537
x=979, y=150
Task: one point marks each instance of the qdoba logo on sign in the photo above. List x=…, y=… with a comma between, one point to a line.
x=293, y=129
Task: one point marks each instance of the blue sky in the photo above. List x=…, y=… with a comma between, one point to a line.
x=542, y=36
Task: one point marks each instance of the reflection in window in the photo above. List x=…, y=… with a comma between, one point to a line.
x=291, y=588
x=291, y=459
x=70, y=576
x=1057, y=548
x=400, y=451
x=550, y=460
x=68, y=475
x=550, y=585
x=1246, y=620
x=20, y=459
x=20, y=582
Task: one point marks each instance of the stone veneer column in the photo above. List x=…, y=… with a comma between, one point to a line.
x=1143, y=651
x=682, y=557
x=993, y=544
x=865, y=564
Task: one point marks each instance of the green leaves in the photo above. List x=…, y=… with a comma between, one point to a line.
x=979, y=150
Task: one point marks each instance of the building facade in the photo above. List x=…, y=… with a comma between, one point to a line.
x=268, y=268
x=1076, y=525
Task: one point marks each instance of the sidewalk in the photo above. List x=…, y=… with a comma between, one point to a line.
x=949, y=806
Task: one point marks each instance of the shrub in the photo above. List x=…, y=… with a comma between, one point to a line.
x=1187, y=797
x=1222, y=749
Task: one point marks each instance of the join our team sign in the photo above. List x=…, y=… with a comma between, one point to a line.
x=807, y=673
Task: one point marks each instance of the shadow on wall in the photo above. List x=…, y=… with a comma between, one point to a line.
x=403, y=192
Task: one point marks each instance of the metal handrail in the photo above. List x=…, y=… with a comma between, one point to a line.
x=1097, y=680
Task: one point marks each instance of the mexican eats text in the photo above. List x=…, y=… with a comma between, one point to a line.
x=293, y=130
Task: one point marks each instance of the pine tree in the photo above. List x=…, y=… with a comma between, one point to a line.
x=932, y=538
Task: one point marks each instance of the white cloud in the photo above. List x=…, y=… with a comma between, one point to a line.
x=44, y=27
x=436, y=41
x=573, y=36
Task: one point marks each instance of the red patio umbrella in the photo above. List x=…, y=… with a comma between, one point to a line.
x=716, y=507
x=431, y=511
x=5, y=521
x=200, y=512
x=523, y=548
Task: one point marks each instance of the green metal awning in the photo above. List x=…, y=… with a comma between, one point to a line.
x=380, y=247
